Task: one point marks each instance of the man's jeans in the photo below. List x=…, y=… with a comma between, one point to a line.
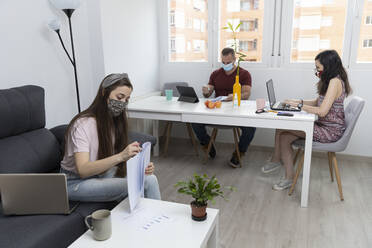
x=244, y=140
x=105, y=187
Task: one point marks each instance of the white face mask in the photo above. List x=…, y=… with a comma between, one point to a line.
x=116, y=107
x=228, y=67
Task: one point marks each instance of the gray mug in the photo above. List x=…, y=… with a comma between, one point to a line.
x=101, y=224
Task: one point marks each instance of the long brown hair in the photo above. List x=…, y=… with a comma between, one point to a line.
x=109, y=128
x=333, y=67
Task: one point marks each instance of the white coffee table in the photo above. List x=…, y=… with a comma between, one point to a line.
x=139, y=229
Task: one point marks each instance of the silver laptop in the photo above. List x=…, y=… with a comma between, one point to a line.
x=23, y=194
x=274, y=105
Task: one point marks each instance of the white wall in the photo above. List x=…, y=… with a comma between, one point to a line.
x=130, y=42
x=289, y=83
x=31, y=54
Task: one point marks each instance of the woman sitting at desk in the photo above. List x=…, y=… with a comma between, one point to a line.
x=333, y=87
x=97, y=147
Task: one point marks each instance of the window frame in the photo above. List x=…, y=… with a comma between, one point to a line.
x=358, y=14
x=287, y=34
x=276, y=42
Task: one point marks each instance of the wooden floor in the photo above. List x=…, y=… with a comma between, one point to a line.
x=257, y=216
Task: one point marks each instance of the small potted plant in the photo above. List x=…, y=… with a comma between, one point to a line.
x=202, y=189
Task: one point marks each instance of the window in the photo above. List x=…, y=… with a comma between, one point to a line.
x=316, y=25
x=250, y=13
x=368, y=20
x=188, y=36
x=249, y=25
x=367, y=43
x=243, y=45
x=172, y=20
x=365, y=35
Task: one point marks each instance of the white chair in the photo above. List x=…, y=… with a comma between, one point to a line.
x=352, y=113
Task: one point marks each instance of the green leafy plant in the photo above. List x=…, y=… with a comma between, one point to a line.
x=202, y=189
x=241, y=56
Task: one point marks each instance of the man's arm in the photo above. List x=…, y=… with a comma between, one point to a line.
x=246, y=92
x=207, y=90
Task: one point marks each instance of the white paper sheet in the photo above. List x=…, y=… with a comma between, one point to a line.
x=136, y=175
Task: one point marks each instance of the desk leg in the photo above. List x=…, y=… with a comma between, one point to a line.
x=307, y=165
x=213, y=239
x=155, y=133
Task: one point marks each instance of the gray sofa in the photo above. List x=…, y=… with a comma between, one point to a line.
x=26, y=146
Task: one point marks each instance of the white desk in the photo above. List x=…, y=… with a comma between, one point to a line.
x=181, y=231
x=157, y=108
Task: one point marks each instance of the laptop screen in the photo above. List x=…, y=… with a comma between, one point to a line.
x=270, y=92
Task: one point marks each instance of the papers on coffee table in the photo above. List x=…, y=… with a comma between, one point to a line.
x=136, y=175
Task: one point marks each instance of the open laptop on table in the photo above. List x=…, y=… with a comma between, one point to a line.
x=274, y=105
x=23, y=194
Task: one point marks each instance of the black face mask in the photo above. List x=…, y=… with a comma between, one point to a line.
x=116, y=107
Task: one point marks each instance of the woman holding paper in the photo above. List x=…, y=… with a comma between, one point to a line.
x=97, y=148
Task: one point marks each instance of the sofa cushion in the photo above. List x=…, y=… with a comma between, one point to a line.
x=46, y=230
x=21, y=109
x=40, y=230
x=31, y=152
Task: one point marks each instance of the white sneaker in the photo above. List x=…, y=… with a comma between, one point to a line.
x=270, y=167
x=283, y=184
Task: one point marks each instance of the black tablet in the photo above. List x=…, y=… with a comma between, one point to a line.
x=187, y=94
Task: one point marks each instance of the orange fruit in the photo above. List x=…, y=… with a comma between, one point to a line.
x=218, y=104
x=206, y=103
x=211, y=105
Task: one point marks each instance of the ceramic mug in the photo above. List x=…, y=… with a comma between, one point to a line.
x=100, y=224
x=260, y=103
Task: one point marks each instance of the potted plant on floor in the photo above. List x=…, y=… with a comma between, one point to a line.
x=202, y=189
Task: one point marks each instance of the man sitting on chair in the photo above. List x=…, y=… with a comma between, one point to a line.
x=221, y=81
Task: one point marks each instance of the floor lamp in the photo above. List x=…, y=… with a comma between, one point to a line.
x=68, y=7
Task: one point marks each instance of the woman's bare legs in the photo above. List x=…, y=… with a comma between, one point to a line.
x=276, y=156
x=286, y=152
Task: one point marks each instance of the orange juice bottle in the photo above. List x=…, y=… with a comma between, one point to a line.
x=237, y=92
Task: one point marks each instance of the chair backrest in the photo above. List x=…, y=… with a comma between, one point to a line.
x=26, y=146
x=173, y=86
x=352, y=113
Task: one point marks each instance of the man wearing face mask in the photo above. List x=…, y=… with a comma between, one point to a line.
x=221, y=82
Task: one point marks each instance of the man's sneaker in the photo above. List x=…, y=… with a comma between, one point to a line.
x=234, y=161
x=270, y=167
x=212, y=151
x=283, y=184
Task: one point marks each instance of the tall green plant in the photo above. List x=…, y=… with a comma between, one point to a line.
x=202, y=189
x=241, y=56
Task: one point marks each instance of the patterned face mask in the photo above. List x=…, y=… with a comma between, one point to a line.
x=116, y=107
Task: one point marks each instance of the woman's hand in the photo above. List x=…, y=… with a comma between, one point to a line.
x=150, y=169
x=292, y=102
x=130, y=151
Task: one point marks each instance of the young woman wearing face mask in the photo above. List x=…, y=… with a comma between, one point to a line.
x=97, y=147
x=333, y=87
